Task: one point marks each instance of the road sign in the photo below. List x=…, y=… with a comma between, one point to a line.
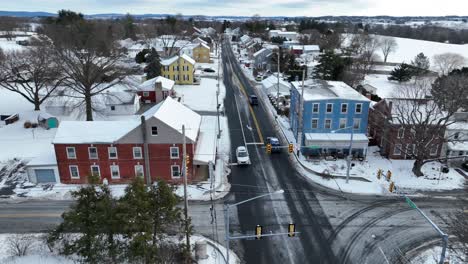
x=410, y=203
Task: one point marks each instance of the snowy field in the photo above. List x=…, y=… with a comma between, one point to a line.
x=201, y=97
x=10, y=45
x=408, y=48
x=40, y=254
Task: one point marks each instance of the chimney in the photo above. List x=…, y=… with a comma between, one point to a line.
x=158, y=86
x=158, y=91
x=369, y=96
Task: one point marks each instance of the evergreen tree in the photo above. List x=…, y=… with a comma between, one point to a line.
x=129, y=27
x=420, y=64
x=330, y=66
x=93, y=218
x=402, y=73
x=278, y=40
x=141, y=56
x=153, y=69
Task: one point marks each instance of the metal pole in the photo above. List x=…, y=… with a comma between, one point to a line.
x=349, y=155
x=299, y=137
x=217, y=99
x=226, y=220
x=184, y=169
x=278, y=76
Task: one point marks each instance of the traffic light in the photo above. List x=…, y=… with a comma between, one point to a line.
x=290, y=148
x=379, y=174
x=258, y=232
x=389, y=175
x=291, y=230
x=268, y=148
x=187, y=162
x=391, y=187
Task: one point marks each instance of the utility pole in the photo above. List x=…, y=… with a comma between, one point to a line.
x=278, y=76
x=349, y=155
x=217, y=97
x=145, y=150
x=184, y=169
x=301, y=106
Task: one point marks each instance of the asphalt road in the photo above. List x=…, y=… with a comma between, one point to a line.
x=334, y=227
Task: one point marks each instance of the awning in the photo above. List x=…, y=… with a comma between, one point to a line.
x=335, y=140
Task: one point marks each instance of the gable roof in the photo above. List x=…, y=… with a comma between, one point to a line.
x=173, y=59
x=175, y=114
x=88, y=132
x=203, y=45
x=148, y=85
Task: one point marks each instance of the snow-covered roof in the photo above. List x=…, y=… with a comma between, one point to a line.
x=244, y=38
x=149, y=85
x=87, y=132
x=206, y=144
x=169, y=61
x=260, y=52
x=204, y=45
x=199, y=40
x=175, y=114
x=410, y=109
x=187, y=58
x=306, y=47
x=47, y=157
x=272, y=81
x=458, y=146
x=315, y=89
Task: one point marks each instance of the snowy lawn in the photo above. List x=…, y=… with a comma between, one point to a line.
x=432, y=256
x=38, y=252
x=201, y=97
x=402, y=175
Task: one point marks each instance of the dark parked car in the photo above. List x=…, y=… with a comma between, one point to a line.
x=275, y=144
x=208, y=70
x=464, y=166
x=253, y=99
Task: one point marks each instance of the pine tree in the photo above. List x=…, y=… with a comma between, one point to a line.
x=141, y=56
x=420, y=64
x=153, y=69
x=402, y=73
x=330, y=66
x=86, y=218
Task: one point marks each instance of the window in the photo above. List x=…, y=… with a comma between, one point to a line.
x=460, y=153
x=95, y=171
x=93, y=154
x=177, y=77
x=137, y=153
x=456, y=135
x=112, y=107
x=342, y=122
x=358, y=108
x=139, y=171
x=327, y=123
x=344, y=108
x=329, y=108
x=71, y=153
x=145, y=94
x=401, y=132
x=74, y=173
x=397, y=149
x=314, y=123
x=174, y=152
x=315, y=108
x=115, y=172
x=357, y=123
x=175, y=171
x=434, y=149
x=154, y=130
x=112, y=152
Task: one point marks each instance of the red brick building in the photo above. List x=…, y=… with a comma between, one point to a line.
x=114, y=150
x=155, y=90
x=396, y=140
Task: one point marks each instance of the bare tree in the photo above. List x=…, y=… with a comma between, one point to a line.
x=447, y=62
x=19, y=244
x=387, y=46
x=426, y=121
x=33, y=73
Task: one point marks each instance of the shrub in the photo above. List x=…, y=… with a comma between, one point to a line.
x=27, y=124
x=33, y=125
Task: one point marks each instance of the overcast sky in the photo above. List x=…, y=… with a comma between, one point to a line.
x=248, y=7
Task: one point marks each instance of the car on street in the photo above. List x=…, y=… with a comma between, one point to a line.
x=242, y=156
x=253, y=99
x=208, y=70
x=275, y=144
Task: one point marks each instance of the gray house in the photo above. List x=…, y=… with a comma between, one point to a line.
x=262, y=58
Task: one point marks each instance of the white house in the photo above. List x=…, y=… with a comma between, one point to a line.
x=457, y=137
x=270, y=85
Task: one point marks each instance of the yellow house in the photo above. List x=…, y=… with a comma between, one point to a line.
x=180, y=69
x=201, y=53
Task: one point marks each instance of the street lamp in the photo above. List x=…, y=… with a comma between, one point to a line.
x=226, y=216
x=348, y=158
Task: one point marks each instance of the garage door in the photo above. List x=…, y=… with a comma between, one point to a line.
x=45, y=175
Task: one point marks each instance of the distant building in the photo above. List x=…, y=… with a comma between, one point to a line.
x=456, y=136
x=331, y=110
x=288, y=35
x=262, y=58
